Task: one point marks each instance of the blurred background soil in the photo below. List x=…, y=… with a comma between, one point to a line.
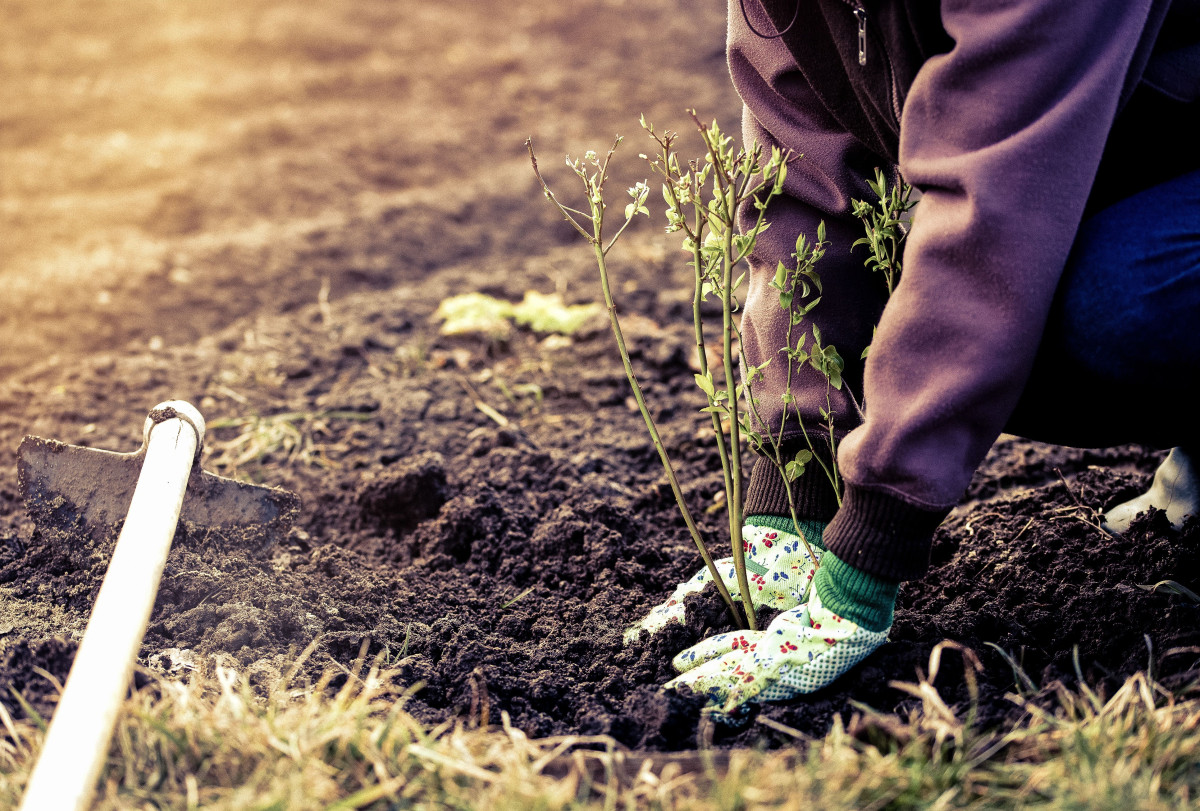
x=257, y=207
x=167, y=168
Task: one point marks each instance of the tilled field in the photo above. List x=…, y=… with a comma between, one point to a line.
x=258, y=207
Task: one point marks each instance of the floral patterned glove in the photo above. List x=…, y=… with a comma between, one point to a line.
x=801, y=651
x=778, y=567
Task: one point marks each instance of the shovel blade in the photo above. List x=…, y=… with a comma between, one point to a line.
x=86, y=492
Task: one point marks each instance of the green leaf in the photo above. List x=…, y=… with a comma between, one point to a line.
x=548, y=313
x=475, y=313
x=785, y=300
x=780, y=277
x=1172, y=587
x=804, y=456
x=793, y=471
x=812, y=276
x=714, y=409
x=706, y=384
x=833, y=358
x=832, y=366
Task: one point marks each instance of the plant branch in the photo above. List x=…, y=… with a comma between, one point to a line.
x=594, y=188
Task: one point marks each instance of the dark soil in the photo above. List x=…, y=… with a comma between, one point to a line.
x=488, y=515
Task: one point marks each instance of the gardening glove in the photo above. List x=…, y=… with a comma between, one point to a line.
x=1175, y=490
x=778, y=567
x=801, y=651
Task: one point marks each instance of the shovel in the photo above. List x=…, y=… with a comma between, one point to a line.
x=87, y=491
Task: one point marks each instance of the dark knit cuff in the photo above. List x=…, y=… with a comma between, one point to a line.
x=767, y=493
x=883, y=535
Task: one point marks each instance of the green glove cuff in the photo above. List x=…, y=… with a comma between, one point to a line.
x=812, y=529
x=864, y=599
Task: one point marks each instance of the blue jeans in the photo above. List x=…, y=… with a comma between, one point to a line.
x=1121, y=352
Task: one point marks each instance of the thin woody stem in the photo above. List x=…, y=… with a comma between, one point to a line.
x=564, y=210
x=694, y=233
x=596, y=238
x=835, y=479
x=616, y=236
x=701, y=353
x=735, y=461
x=657, y=440
x=734, y=507
x=777, y=448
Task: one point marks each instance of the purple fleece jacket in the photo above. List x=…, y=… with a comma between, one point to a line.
x=1003, y=135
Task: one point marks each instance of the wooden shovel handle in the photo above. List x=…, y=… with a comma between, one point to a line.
x=77, y=742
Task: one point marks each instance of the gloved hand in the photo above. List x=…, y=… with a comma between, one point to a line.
x=778, y=567
x=1175, y=489
x=801, y=651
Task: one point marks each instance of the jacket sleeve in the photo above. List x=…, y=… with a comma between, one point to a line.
x=1003, y=136
x=829, y=167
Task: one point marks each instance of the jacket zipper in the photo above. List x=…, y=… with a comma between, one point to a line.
x=860, y=14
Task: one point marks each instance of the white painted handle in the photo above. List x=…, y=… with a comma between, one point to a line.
x=78, y=739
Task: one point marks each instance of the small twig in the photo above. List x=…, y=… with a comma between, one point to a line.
x=323, y=304
x=519, y=596
x=480, y=701
x=232, y=395
x=1074, y=497
x=407, y=637
x=1028, y=524
x=217, y=590
x=483, y=407
x=564, y=210
x=772, y=724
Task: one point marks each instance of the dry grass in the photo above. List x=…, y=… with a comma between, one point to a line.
x=297, y=437
x=216, y=743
